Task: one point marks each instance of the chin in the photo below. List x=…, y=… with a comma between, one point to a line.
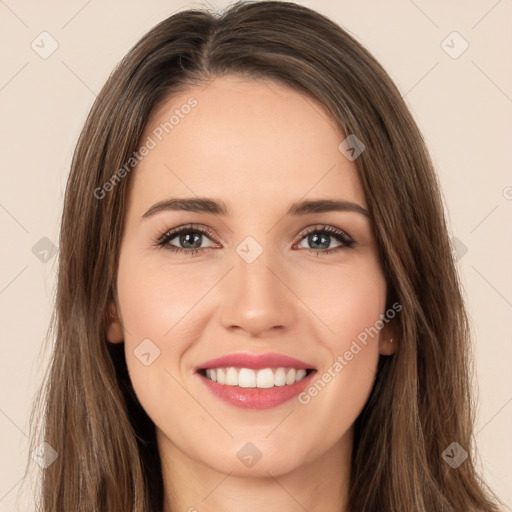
x=256, y=459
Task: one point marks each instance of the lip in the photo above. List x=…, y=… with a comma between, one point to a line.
x=255, y=362
x=255, y=398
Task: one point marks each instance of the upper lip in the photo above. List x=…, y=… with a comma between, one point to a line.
x=255, y=361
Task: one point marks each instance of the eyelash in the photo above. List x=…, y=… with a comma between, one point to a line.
x=339, y=235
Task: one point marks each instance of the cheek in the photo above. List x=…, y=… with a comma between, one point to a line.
x=347, y=301
x=350, y=305
x=155, y=297
x=154, y=302
x=160, y=302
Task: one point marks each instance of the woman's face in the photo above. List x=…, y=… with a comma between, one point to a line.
x=253, y=273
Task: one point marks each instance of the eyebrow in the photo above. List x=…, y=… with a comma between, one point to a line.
x=215, y=207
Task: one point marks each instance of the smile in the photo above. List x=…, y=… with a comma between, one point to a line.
x=264, y=378
x=255, y=381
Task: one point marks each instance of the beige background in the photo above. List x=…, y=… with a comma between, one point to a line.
x=463, y=107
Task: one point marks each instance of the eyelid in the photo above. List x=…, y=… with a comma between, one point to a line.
x=325, y=228
x=345, y=240
x=172, y=233
x=343, y=237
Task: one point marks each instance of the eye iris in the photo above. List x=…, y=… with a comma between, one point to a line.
x=188, y=239
x=315, y=237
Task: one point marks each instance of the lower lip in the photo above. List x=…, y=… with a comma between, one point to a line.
x=257, y=398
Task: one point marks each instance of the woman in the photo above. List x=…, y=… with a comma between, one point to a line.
x=257, y=304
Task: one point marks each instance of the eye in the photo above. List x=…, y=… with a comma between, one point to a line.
x=319, y=239
x=189, y=239
x=186, y=239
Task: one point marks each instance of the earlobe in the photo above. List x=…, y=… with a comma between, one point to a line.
x=388, y=342
x=388, y=346
x=114, y=328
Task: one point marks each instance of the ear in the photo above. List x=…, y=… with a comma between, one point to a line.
x=114, y=327
x=388, y=341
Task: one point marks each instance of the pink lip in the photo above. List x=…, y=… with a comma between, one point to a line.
x=256, y=362
x=255, y=398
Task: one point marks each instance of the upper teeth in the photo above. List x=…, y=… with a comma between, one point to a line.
x=249, y=378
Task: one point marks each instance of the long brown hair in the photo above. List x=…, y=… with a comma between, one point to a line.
x=421, y=400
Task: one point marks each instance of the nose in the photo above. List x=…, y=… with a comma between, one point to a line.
x=257, y=299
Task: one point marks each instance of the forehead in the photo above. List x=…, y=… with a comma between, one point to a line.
x=247, y=141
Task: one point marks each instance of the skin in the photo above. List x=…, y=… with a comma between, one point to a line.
x=258, y=147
